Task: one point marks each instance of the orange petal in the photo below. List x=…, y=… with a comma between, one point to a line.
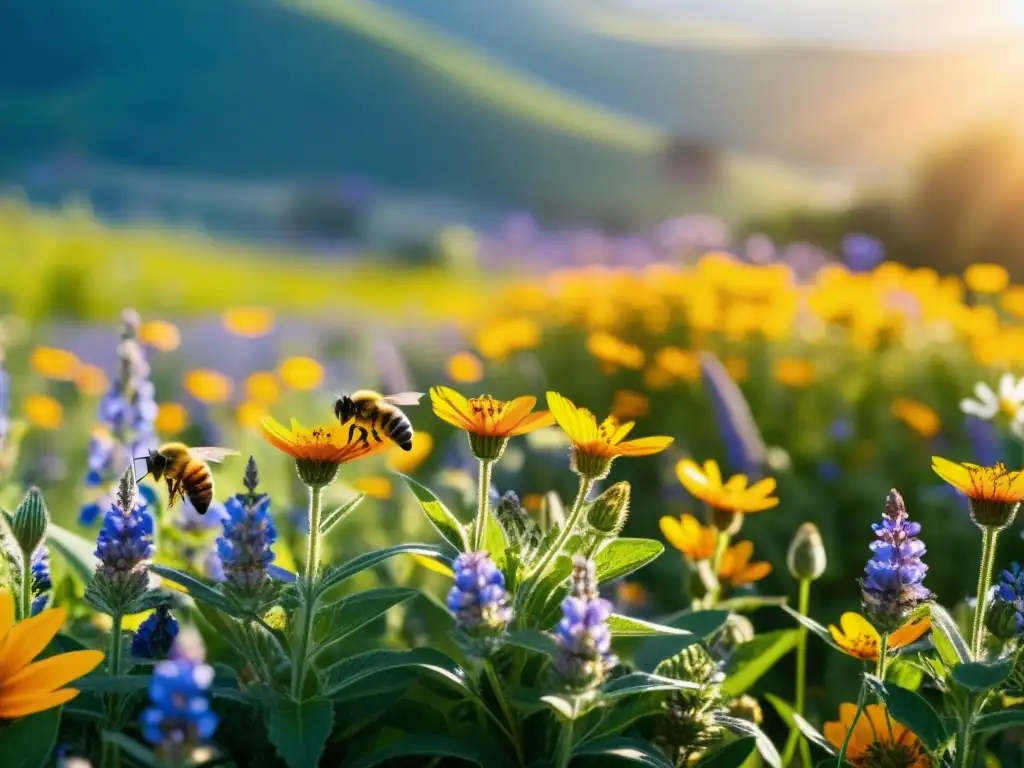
x=754, y=572
x=762, y=487
x=6, y=613
x=644, y=446
x=451, y=406
x=736, y=483
x=27, y=640
x=52, y=673
x=533, y=421
x=741, y=553
x=910, y=632
x=19, y=706
x=835, y=733
x=675, y=533
x=278, y=436
x=621, y=431
x=750, y=505
x=692, y=477
x=515, y=412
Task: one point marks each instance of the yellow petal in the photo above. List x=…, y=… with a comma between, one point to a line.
x=754, y=572
x=19, y=706
x=279, y=437
x=741, y=554
x=762, y=487
x=910, y=632
x=736, y=483
x=644, y=446
x=52, y=673
x=855, y=625
x=692, y=478
x=533, y=421
x=515, y=412
x=713, y=473
x=450, y=406
x=567, y=416
x=621, y=431
x=956, y=475
x=6, y=613
x=675, y=533
x=27, y=640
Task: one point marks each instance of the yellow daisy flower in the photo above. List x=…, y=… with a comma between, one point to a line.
x=695, y=541
x=857, y=637
x=877, y=739
x=54, y=363
x=207, y=385
x=736, y=567
x=594, y=446
x=995, y=492
x=248, y=322
x=732, y=499
x=319, y=451
x=27, y=687
x=489, y=422
x=43, y=411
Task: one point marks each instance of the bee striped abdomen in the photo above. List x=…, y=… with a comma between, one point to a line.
x=400, y=431
x=198, y=484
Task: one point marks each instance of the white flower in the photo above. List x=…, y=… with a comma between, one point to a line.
x=987, y=404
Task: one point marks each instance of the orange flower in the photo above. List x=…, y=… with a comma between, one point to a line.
x=171, y=418
x=736, y=567
x=877, y=739
x=302, y=373
x=856, y=637
x=596, y=446
x=91, y=380
x=918, y=416
x=986, y=278
x=486, y=417
x=249, y=414
x=695, y=541
x=208, y=386
x=406, y=462
x=328, y=444
x=794, y=372
x=160, y=335
x=248, y=322
x=629, y=404
x=375, y=487
x=464, y=368
x=995, y=492
x=262, y=387
x=731, y=496
x=53, y=363
x=43, y=411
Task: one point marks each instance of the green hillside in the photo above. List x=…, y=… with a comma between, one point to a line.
x=253, y=89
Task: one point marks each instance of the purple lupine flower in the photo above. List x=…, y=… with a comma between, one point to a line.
x=155, y=636
x=584, y=638
x=41, y=580
x=862, y=253
x=984, y=437
x=478, y=599
x=893, y=583
x=744, y=446
x=179, y=718
x=1005, y=616
x=245, y=548
x=124, y=548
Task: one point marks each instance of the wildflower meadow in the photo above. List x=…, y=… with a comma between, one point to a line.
x=709, y=507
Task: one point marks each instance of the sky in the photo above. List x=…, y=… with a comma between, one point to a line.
x=901, y=24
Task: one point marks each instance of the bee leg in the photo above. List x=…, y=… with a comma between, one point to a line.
x=376, y=435
x=364, y=435
x=172, y=491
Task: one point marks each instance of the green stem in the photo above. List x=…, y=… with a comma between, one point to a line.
x=483, y=505
x=883, y=654
x=804, y=606
x=312, y=565
x=26, y=585
x=111, y=757
x=564, y=756
x=988, y=557
x=563, y=538
x=861, y=700
x=499, y=694
x=716, y=565
x=114, y=651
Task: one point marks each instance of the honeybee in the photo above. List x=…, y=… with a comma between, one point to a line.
x=377, y=412
x=186, y=472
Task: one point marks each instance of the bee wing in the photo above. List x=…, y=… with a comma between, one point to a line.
x=404, y=398
x=208, y=453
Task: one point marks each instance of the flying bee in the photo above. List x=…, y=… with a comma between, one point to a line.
x=373, y=411
x=186, y=472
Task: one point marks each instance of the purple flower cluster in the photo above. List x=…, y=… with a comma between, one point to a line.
x=584, y=638
x=125, y=423
x=41, y=580
x=1005, y=617
x=124, y=548
x=478, y=599
x=893, y=583
x=179, y=717
x=155, y=636
x=245, y=548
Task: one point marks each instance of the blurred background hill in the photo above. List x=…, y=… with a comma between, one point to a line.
x=222, y=110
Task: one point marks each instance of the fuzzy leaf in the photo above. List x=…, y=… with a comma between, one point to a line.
x=420, y=745
x=750, y=660
x=29, y=742
x=731, y=755
x=331, y=519
x=622, y=716
x=356, y=669
x=912, y=710
x=813, y=626
x=300, y=729
x=627, y=626
x=623, y=556
x=196, y=589
x=137, y=752
x=532, y=640
x=354, y=612
x=745, y=728
x=78, y=552
x=997, y=721
x=643, y=682
x=116, y=684
x=946, y=634
x=980, y=676
x=623, y=748
x=793, y=720
x=336, y=574
x=439, y=515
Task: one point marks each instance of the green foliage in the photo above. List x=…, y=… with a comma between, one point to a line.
x=29, y=741
x=300, y=729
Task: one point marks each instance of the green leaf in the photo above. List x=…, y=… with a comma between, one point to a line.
x=622, y=716
x=745, y=728
x=420, y=745
x=568, y=707
x=78, y=552
x=997, y=721
x=29, y=741
x=356, y=669
x=632, y=750
x=731, y=755
x=197, y=590
x=354, y=612
x=532, y=640
x=912, y=710
x=133, y=749
x=750, y=660
x=793, y=720
x=494, y=538
x=330, y=520
x=547, y=590
x=300, y=729
x=905, y=674
x=813, y=626
x=643, y=682
x=627, y=626
x=623, y=556
x=117, y=684
x=981, y=676
x=336, y=574
x=751, y=603
x=700, y=625
x=438, y=514
x=948, y=641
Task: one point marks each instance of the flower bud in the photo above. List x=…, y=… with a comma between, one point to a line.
x=608, y=512
x=806, y=557
x=1004, y=620
x=30, y=521
x=746, y=708
x=487, y=447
